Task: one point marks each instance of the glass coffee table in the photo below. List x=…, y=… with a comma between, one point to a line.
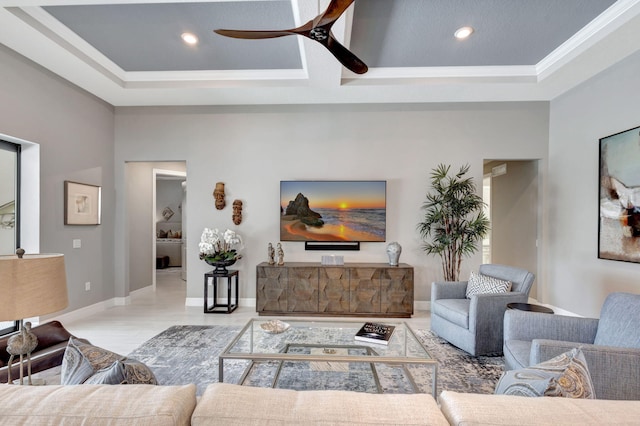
x=327, y=346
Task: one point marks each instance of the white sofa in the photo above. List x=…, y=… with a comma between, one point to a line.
x=227, y=404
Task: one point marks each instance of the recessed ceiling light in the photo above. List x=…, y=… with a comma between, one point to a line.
x=462, y=33
x=189, y=38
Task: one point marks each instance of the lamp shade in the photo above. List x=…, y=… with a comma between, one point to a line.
x=33, y=285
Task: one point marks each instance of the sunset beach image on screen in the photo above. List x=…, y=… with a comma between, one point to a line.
x=333, y=211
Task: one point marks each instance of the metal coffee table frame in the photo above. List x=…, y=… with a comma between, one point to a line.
x=372, y=357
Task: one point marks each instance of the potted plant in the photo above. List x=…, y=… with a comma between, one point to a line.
x=454, y=220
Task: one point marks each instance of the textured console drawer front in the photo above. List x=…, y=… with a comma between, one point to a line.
x=271, y=289
x=302, y=292
x=333, y=288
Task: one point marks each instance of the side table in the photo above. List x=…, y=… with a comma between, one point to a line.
x=530, y=307
x=215, y=307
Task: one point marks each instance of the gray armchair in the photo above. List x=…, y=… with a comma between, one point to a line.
x=611, y=344
x=475, y=325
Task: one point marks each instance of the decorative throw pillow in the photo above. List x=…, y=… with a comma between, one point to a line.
x=75, y=367
x=85, y=363
x=128, y=371
x=137, y=373
x=482, y=284
x=112, y=375
x=566, y=375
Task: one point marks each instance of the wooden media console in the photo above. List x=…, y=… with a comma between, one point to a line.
x=353, y=289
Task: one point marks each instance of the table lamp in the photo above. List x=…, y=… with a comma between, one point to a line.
x=30, y=285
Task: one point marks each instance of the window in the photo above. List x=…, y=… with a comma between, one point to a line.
x=9, y=208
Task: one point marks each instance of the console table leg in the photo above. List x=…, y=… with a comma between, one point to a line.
x=229, y=295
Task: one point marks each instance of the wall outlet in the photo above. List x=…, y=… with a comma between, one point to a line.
x=87, y=285
x=77, y=243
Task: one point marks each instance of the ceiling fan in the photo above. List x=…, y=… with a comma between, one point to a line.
x=317, y=29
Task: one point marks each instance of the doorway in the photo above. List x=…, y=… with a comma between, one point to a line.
x=169, y=222
x=511, y=192
x=141, y=217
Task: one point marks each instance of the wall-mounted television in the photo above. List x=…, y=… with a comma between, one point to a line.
x=330, y=210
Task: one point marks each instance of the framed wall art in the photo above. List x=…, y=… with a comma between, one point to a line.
x=82, y=203
x=619, y=212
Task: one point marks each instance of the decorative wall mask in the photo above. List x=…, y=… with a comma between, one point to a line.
x=237, y=212
x=218, y=194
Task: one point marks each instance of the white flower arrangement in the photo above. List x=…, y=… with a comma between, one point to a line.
x=215, y=246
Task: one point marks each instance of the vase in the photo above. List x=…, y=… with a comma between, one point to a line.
x=220, y=265
x=393, y=251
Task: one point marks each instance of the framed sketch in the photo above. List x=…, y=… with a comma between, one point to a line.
x=82, y=203
x=619, y=212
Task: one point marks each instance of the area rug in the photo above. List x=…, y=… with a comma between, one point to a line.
x=189, y=354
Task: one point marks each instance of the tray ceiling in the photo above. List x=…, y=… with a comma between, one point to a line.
x=129, y=52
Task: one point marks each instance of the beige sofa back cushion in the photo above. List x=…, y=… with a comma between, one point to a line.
x=229, y=405
x=97, y=405
x=506, y=410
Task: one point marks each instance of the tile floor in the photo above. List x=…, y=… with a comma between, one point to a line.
x=121, y=329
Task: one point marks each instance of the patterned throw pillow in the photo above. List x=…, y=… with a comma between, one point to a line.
x=482, y=284
x=75, y=367
x=566, y=375
x=85, y=363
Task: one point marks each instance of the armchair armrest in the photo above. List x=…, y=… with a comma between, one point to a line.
x=487, y=310
x=527, y=326
x=448, y=290
x=615, y=372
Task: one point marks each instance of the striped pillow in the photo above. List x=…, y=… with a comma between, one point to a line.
x=482, y=284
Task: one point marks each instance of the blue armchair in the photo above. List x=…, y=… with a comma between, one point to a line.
x=611, y=344
x=475, y=325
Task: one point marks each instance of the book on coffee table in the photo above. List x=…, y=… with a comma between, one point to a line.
x=375, y=333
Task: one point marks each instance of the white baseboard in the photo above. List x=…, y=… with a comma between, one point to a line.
x=81, y=313
x=421, y=305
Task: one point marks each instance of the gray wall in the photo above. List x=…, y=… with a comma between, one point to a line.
x=75, y=132
x=252, y=148
x=608, y=103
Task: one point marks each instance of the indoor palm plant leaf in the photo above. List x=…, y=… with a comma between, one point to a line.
x=454, y=221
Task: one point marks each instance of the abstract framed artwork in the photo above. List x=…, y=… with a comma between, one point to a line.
x=82, y=203
x=619, y=211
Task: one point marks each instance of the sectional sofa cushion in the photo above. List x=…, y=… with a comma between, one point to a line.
x=230, y=405
x=470, y=409
x=97, y=405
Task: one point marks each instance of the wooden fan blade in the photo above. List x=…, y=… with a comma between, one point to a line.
x=345, y=56
x=318, y=29
x=335, y=9
x=254, y=35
